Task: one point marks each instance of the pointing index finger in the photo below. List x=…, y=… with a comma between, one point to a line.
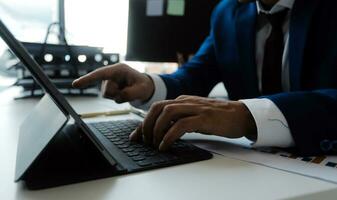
x=94, y=76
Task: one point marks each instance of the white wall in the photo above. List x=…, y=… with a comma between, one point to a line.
x=98, y=23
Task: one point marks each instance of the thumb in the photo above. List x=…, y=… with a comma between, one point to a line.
x=130, y=93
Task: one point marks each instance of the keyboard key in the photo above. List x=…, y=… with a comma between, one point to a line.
x=145, y=149
x=138, y=146
x=128, y=150
x=133, y=153
x=144, y=163
x=138, y=158
x=151, y=153
x=119, y=142
x=114, y=140
x=123, y=146
x=159, y=160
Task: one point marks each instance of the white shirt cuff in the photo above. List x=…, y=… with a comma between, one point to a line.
x=160, y=92
x=272, y=127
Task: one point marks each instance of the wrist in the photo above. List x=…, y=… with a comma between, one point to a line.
x=149, y=88
x=250, y=130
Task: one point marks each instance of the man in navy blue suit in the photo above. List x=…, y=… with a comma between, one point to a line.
x=278, y=62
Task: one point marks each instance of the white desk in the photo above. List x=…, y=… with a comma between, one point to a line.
x=218, y=178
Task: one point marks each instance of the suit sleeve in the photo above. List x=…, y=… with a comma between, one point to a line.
x=196, y=77
x=312, y=119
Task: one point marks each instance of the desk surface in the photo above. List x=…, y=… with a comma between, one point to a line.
x=218, y=178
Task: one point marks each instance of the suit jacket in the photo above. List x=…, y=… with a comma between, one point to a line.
x=228, y=55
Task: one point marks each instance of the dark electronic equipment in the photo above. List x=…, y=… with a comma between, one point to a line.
x=161, y=38
x=63, y=64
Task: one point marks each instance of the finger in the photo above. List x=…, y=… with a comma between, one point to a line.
x=110, y=89
x=150, y=119
x=97, y=75
x=196, y=99
x=171, y=113
x=129, y=94
x=178, y=129
x=181, y=97
x=137, y=134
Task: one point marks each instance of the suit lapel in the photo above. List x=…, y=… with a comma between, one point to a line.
x=298, y=31
x=245, y=25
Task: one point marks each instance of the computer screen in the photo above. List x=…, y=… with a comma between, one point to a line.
x=160, y=38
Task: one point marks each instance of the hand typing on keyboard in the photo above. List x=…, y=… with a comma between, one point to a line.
x=169, y=120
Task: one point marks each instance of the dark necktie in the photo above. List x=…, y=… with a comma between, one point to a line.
x=273, y=52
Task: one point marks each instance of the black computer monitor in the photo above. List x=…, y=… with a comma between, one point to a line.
x=160, y=38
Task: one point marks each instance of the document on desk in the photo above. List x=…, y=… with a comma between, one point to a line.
x=92, y=105
x=323, y=167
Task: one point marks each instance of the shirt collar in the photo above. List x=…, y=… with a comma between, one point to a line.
x=279, y=6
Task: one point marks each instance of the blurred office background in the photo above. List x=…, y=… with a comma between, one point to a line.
x=150, y=42
x=101, y=23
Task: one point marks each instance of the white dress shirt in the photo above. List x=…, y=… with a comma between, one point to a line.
x=272, y=127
